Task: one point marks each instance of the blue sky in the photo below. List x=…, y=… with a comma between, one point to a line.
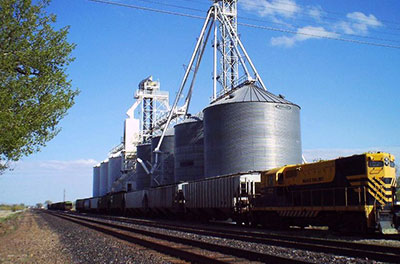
x=348, y=92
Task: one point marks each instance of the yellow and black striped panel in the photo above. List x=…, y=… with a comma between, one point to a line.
x=379, y=191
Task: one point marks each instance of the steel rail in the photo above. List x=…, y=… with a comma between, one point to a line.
x=183, y=252
x=337, y=247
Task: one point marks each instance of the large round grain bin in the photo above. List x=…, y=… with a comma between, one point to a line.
x=114, y=171
x=144, y=155
x=189, y=150
x=96, y=180
x=103, y=178
x=250, y=130
x=164, y=173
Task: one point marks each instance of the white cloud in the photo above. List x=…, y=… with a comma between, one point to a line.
x=62, y=164
x=37, y=181
x=361, y=18
x=272, y=8
x=315, y=12
x=286, y=11
x=303, y=34
x=358, y=23
x=59, y=167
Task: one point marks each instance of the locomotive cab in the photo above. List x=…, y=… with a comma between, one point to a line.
x=382, y=181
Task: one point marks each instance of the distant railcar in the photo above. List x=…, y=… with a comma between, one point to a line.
x=61, y=206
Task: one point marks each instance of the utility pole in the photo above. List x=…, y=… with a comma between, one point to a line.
x=64, y=195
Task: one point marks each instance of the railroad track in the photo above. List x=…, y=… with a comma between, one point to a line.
x=191, y=250
x=335, y=247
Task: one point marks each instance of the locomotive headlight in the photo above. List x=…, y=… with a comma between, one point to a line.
x=386, y=160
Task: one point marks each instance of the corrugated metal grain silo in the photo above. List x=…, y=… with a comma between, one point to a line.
x=114, y=171
x=103, y=178
x=164, y=173
x=189, y=150
x=250, y=130
x=142, y=179
x=96, y=180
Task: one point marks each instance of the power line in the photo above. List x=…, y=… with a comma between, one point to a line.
x=284, y=24
x=302, y=7
x=321, y=30
x=172, y=5
x=325, y=17
x=276, y=23
x=319, y=36
x=147, y=9
x=247, y=25
x=338, y=13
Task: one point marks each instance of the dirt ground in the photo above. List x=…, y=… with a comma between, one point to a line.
x=24, y=239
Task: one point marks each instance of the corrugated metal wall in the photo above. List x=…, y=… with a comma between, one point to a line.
x=189, y=151
x=251, y=133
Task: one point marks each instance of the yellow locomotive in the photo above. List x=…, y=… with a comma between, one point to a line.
x=354, y=193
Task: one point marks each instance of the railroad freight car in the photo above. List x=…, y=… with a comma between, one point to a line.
x=166, y=200
x=221, y=197
x=61, y=206
x=351, y=193
x=136, y=203
x=79, y=205
x=116, y=203
x=94, y=204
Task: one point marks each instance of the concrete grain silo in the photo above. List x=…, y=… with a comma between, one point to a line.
x=96, y=180
x=103, y=178
x=114, y=171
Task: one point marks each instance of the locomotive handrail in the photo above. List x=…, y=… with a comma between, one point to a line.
x=344, y=196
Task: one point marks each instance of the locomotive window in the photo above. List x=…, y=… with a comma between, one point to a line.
x=243, y=188
x=392, y=164
x=374, y=164
x=353, y=165
x=280, y=178
x=270, y=180
x=387, y=180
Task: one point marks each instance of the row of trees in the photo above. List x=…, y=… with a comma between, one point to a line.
x=21, y=206
x=12, y=207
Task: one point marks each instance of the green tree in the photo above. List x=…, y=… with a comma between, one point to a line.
x=35, y=92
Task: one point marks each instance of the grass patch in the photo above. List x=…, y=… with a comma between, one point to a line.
x=10, y=217
x=9, y=223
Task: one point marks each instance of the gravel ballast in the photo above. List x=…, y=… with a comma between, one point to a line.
x=304, y=255
x=88, y=246
x=44, y=238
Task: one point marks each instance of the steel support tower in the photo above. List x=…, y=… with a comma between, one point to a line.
x=235, y=65
x=154, y=105
x=226, y=46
